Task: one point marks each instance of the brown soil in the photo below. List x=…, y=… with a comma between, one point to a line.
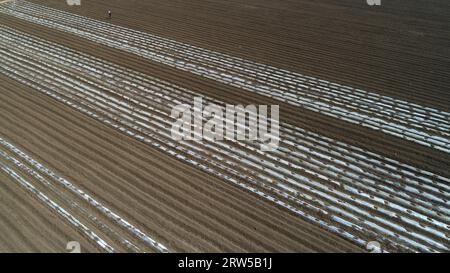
x=400, y=50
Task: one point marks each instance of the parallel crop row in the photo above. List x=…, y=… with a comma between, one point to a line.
x=423, y=125
x=355, y=193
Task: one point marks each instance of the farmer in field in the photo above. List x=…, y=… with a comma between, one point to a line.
x=109, y=14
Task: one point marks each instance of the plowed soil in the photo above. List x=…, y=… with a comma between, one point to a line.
x=400, y=50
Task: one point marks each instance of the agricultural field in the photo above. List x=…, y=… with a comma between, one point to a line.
x=88, y=155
